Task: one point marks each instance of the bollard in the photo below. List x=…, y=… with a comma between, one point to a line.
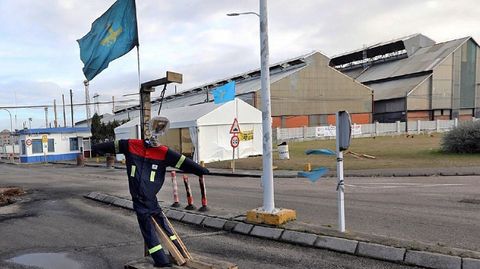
x=176, y=202
x=110, y=161
x=80, y=160
x=204, y=207
x=190, y=205
x=307, y=167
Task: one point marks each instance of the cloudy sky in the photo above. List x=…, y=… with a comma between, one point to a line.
x=39, y=55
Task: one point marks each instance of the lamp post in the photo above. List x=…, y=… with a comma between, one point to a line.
x=267, y=176
x=11, y=122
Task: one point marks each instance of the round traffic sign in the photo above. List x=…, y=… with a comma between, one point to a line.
x=234, y=141
x=28, y=142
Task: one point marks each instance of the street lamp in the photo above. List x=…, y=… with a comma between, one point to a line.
x=260, y=215
x=11, y=123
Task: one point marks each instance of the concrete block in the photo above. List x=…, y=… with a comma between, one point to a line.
x=266, y=232
x=128, y=204
x=280, y=217
x=109, y=199
x=193, y=219
x=469, y=263
x=229, y=225
x=306, y=239
x=119, y=202
x=214, y=223
x=433, y=260
x=381, y=252
x=337, y=244
x=243, y=228
x=176, y=215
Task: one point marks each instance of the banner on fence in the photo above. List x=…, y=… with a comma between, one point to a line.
x=326, y=131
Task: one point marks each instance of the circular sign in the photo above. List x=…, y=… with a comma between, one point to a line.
x=28, y=142
x=44, y=139
x=234, y=141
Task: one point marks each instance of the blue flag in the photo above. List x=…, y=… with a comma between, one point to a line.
x=112, y=35
x=224, y=93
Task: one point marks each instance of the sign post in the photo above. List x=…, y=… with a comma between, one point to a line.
x=343, y=133
x=45, y=147
x=234, y=141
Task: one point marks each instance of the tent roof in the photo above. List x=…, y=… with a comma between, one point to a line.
x=210, y=113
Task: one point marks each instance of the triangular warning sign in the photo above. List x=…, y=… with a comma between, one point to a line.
x=235, y=129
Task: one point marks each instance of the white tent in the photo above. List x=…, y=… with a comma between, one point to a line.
x=209, y=127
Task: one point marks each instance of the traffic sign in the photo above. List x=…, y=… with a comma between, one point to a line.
x=234, y=141
x=44, y=139
x=28, y=142
x=235, y=129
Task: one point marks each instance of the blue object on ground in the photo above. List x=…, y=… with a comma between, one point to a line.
x=315, y=174
x=320, y=152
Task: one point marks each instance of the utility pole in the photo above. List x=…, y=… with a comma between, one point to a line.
x=113, y=104
x=46, y=117
x=96, y=107
x=55, y=123
x=71, y=106
x=64, y=113
x=87, y=101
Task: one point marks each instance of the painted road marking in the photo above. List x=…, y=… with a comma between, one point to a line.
x=400, y=185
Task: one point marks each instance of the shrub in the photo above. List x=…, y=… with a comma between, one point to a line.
x=463, y=139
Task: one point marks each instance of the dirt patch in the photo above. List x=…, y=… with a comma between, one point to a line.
x=8, y=195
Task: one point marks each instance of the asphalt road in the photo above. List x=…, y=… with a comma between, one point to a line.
x=54, y=219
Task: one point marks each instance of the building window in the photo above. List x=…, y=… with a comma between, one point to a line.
x=37, y=146
x=73, y=144
x=51, y=145
x=24, y=148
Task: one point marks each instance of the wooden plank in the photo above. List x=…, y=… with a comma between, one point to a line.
x=177, y=256
x=185, y=251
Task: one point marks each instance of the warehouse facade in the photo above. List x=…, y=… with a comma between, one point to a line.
x=415, y=78
x=305, y=91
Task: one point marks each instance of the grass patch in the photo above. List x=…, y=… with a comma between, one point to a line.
x=418, y=151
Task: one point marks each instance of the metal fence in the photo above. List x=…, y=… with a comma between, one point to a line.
x=367, y=130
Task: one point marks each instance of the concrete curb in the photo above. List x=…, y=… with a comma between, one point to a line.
x=353, y=247
x=293, y=174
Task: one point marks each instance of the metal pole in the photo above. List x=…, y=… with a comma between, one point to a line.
x=55, y=112
x=64, y=113
x=46, y=117
x=87, y=101
x=340, y=185
x=11, y=122
x=113, y=104
x=267, y=177
x=71, y=106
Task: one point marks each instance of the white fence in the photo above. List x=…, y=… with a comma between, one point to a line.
x=367, y=130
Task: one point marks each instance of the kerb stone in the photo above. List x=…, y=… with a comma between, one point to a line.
x=299, y=238
x=469, y=263
x=242, y=228
x=193, y=219
x=381, y=252
x=214, y=223
x=337, y=244
x=433, y=260
x=176, y=215
x=266, y=232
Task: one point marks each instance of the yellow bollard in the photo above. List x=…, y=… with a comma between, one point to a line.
x=307, y=167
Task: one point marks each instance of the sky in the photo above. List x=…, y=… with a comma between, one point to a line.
x=39, y=55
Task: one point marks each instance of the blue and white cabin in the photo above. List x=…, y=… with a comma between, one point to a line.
x=53, y=144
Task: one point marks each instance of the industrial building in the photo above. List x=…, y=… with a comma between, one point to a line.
x=53, y=144
x=305, y=91
x=415, y=78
